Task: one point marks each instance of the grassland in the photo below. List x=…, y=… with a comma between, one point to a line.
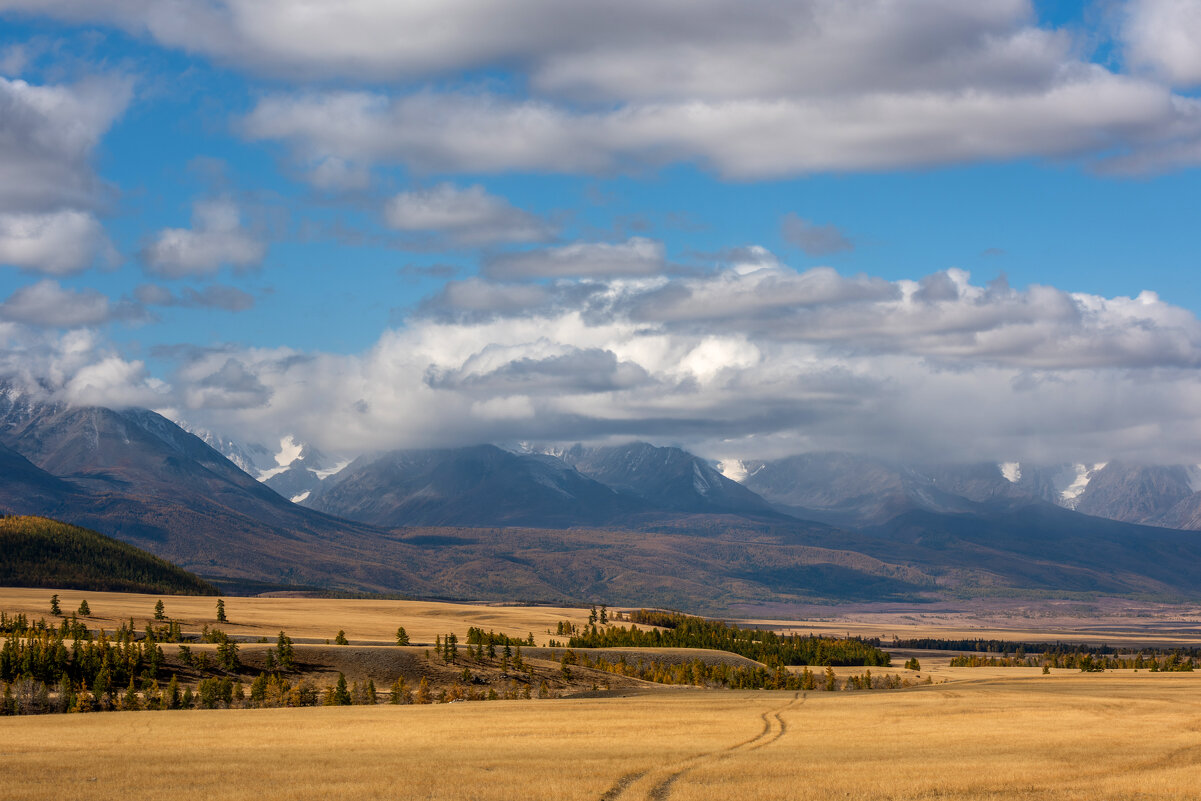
x=975, y=733
x=306, y=620
x=1077, y=737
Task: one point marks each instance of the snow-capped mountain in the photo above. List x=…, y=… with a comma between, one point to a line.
x=292, y=468
x=850, y=490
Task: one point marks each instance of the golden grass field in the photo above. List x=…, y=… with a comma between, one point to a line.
x=976, y=733
x=1078, y=737
x=304, y=619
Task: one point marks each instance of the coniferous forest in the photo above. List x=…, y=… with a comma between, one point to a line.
x=675, y=630
x=40, y=552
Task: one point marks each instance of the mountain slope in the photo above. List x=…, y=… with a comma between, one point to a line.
x=1039, y=546
x=482, y=485
x=141, y=478
x=667, y=478
x=39, y=552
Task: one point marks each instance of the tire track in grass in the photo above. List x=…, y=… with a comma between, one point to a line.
x=774, y=728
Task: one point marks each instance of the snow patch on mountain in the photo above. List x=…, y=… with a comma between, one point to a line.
x=330, y=471
x=1194, y=477
x=1070, y=495
x=733, y=469
x=1012, y=471
x=301, y=496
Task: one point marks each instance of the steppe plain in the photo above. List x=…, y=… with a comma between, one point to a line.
x=974, y=733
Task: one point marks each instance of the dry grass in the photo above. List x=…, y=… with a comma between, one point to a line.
x=977, y=733
x=1076, y=737
x=304, y=619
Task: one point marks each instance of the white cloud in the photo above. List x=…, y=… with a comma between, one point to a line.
x=1086, y=111
x=636, y=256
x=48, y=304
x=750, y=361
x=216, y=238
x=1164, y=36
x=469, y=216
x=48, y=189
x=56, y=243
x=759, y=90
x=47, y=134
x=625, y=49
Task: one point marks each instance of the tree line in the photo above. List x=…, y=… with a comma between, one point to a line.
x=675, y=630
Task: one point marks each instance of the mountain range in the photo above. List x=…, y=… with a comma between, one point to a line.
x=634, y=523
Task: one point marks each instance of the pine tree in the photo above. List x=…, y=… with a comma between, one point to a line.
x=221, y=618
x=341, y=638
x=55, y=609
x=130, y=701
x=173, y=692
x=402, y=636
x=283, y=649
x=84, y=609
x=160, y=611
x=372, y=698
x=341, y=693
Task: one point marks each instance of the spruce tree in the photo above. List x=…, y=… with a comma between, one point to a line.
x=160, y=611
x=55, y=609
x=84, y=609
x=341, y=695
x=341, y=638
x=173, y=692
x=221, y=618
x=283, y=648
x=402, y=636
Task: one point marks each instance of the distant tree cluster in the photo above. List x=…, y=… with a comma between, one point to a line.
x=1085, y=662
x=700, y=674
x=685, y=631
x=1021, y=649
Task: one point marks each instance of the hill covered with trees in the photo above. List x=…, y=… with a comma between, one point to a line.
x=40, y=552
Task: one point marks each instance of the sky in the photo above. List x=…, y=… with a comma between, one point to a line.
x=924, y=229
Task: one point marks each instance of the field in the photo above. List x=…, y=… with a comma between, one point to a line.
x=976, y=733
x=1079, y=737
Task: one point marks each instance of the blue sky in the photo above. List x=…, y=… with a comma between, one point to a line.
x=922, y=227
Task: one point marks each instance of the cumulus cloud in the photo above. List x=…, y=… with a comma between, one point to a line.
x=47, y=135
x=473, y=295
x=814, y=239
x=216, y=239
x=469, y=216
x=48, y=304
x=1089, y=111
x=1164, y=36
x=636, y=256
x=75, y=366
x=749, y=361
x=48, y=189
x=229, y=386
x=56, y=243
x=768, y=90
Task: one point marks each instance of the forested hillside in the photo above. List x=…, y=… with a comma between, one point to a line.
x=40, y=552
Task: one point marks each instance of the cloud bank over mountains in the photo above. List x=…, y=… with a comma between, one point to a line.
x=748, y=360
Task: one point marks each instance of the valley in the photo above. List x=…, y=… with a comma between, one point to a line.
x=970, y=733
